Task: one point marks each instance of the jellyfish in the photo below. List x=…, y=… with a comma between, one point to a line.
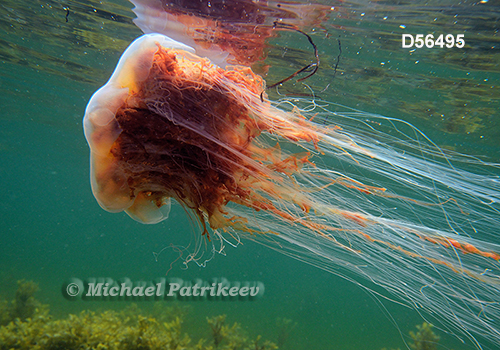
x=364, y=196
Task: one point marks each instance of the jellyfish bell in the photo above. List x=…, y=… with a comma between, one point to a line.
x=319, y=184
x=233, y=32
x=109, y=182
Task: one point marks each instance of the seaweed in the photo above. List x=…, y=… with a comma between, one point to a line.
x=233, y=336
x=285, y=328
x=24, y=306
x=28, y=325
x=219, y=330
x=112, y=330
x=424, y=338
x=267, y=345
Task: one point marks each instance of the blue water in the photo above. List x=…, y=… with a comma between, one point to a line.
x=52, y=228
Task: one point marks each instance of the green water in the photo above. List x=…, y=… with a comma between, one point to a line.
x=52, y=228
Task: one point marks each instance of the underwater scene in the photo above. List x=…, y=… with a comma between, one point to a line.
x=250, y=175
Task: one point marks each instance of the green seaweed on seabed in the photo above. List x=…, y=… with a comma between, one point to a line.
x=24, y=306
x=285, y=329
x=424, y=338
x=28, y=325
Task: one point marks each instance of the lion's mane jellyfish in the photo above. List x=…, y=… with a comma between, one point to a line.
x=360, y=199
x=169, y=124
x=233, y=31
